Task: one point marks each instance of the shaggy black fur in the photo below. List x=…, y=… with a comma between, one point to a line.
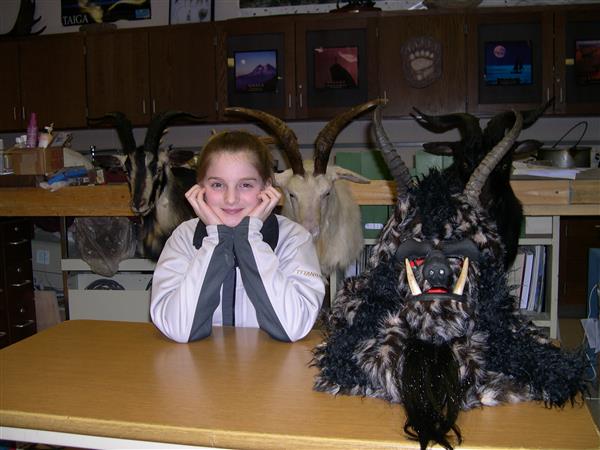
x=442, y=352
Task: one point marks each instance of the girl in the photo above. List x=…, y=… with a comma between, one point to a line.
x=237, y=264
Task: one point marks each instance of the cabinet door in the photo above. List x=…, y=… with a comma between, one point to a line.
x=422, y=63
x=336, y=63
x=118, y=74
x=182, y=69
x=10, y=91
x=510, y=59
x=255, y=65
x=53, y=80
x=577, y=51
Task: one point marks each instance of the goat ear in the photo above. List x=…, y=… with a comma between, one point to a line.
x=121, y=158
x=438, y=148
x=344, y=174
x=526, y=148
x=281, y=179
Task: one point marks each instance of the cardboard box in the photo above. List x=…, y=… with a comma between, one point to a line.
x=35, y=161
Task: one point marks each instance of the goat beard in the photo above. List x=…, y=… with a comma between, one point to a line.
x=431, y=392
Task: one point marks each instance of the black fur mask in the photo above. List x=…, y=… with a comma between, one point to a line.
x=453, y=340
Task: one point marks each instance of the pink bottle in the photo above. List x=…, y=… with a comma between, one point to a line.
x=32, y=131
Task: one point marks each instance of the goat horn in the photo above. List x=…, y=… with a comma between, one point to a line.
x=123, y=127
x=158, y=124
x=479, y=176
x=494, y=131
x=284, y=133
x=330, y=132
x=396, y=165
x=467, y=124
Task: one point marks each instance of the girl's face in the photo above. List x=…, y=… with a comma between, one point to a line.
x=232, y=186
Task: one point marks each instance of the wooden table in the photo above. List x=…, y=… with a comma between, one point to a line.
x=87, y=383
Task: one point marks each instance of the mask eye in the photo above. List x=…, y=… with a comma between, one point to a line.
x=417, y=262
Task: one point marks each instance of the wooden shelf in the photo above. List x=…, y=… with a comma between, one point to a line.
x=539, y=198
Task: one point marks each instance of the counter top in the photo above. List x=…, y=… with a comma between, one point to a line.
x=238, y=388
x=540, y=197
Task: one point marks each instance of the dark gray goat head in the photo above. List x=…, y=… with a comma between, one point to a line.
x=157, y=189
x=497, y=194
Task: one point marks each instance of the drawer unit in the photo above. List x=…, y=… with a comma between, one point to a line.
x=17, y=305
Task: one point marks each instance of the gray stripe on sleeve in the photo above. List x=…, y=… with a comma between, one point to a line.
x=220, y=265
x=253, y=284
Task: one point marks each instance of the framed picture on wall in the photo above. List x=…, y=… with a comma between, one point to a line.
x=191, y=11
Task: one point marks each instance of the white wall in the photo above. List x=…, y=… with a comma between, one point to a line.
x=50, y=10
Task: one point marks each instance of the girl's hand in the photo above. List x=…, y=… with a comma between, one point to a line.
x=195, y=197
x=269, y=198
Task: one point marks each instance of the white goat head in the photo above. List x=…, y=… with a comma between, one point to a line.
x=315, y=195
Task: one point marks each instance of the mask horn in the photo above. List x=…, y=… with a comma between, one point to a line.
x=396, y=165
x=478, y=178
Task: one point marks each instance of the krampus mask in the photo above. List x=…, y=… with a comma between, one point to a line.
x=430, y=323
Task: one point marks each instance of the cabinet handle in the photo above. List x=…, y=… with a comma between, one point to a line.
x=19, y=242
x=23, y=112
x=144, y=106
x=289, y=101
x=561, y=95
x=24, y=283
x=15, y=112
x=26, y=324
x=153, y=106
x=301, y=100
x=547, y=94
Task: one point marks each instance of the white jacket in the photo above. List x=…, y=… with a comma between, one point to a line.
x=280, y=290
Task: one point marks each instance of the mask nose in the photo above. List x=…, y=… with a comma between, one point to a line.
x=436, y=270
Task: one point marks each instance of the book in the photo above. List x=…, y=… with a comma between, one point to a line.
x=526, y=279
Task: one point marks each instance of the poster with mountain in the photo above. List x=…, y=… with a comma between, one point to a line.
x=256, y=71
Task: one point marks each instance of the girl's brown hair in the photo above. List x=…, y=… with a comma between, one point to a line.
x=237, y=142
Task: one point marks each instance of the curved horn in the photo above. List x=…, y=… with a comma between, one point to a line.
x=158, y=124
x=494, y=131
x=463, y=121
x=329, y=133
x=479, y=176
x=124, y=129
x=284, y=133
x=397, y=167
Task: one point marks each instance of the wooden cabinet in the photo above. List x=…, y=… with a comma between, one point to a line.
x=577, y=236
x=182, y=69
x=267, y=39
x=510, y=59
x=46, y=75
x=17, y=307
x=329, y=50
x=118, y=79
x=10, y=90
x=53, y=80
x=422, y=62
x=145, y=71
x=577, y=60
x=303, y=48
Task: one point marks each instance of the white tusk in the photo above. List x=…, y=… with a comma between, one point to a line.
x=412, y=281
x=462, y=278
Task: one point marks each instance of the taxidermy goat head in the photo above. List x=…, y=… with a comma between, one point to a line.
x=314, y=196
x=431, y=324
x=157, y=187
x=475, y=143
